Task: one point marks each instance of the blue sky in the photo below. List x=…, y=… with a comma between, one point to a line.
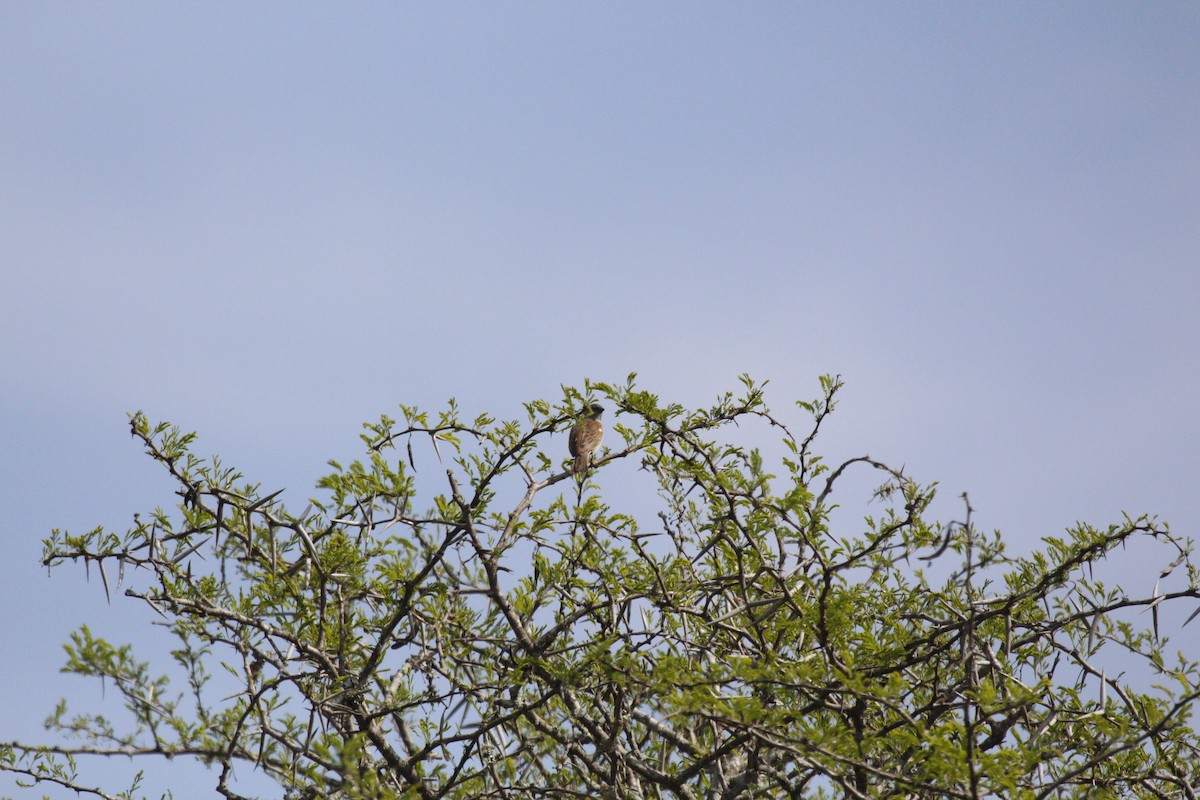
x=272, y=222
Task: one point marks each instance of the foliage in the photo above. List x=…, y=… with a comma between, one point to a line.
x=518, y=634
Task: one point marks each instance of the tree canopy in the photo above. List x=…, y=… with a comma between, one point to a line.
x=458, y=614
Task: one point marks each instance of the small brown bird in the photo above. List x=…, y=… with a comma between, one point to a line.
x=586, y=435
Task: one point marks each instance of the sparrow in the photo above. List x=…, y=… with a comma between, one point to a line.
x=586, y=435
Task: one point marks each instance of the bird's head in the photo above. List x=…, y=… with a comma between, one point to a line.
x=594, y=411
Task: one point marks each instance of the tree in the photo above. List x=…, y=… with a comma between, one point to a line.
x=514, y=634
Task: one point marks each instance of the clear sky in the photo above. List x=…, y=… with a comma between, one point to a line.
x=271, y=222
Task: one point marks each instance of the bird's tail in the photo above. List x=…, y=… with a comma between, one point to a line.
x=581, y=463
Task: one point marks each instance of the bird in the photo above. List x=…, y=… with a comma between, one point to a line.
x=586, y=435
